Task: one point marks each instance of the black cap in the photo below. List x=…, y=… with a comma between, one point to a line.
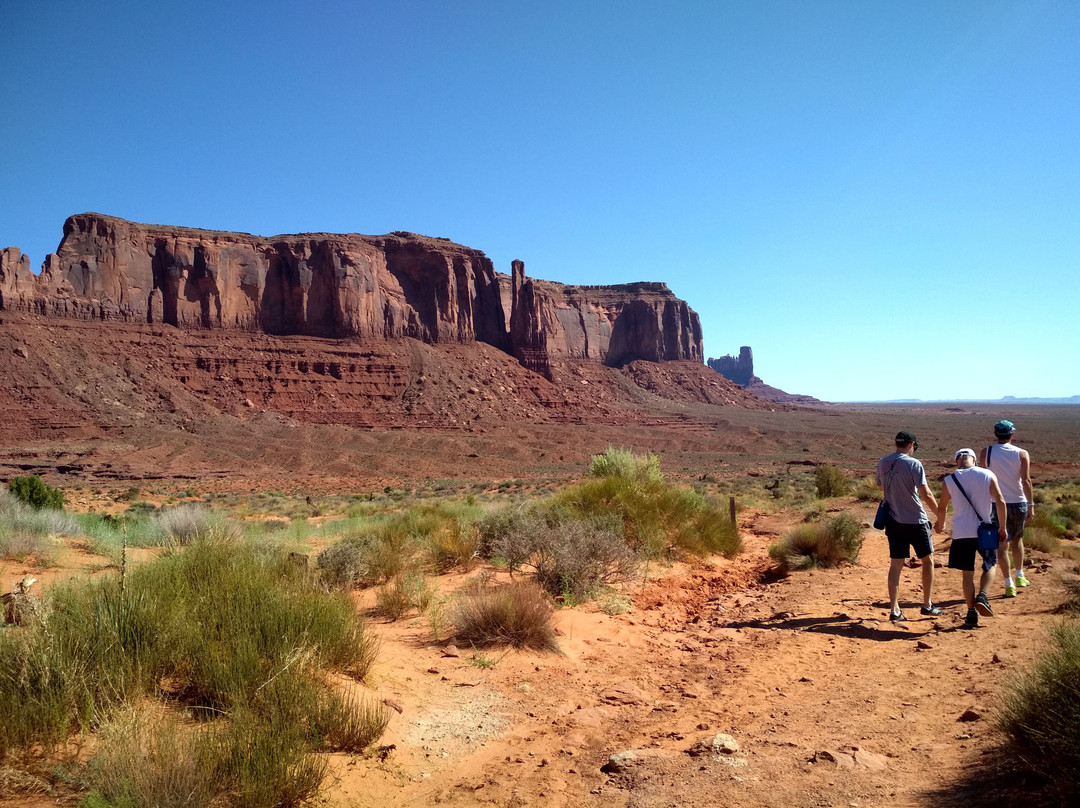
x=905, y=437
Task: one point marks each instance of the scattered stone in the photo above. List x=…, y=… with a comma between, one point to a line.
x=716, y=745
x=971, y=714
x=782, y=616
x=692, y=646
x=999, y=659
x=869, y=760
x=841, y=760
x=451, y=651
x=624, y=694
x=806, y=679
x=434, y=670
x=21, y=351
x=620, y=762
x=923, y=645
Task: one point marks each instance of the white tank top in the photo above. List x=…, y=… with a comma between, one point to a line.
x=1004, y=460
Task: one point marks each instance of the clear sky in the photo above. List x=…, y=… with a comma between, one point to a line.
x=881, y=198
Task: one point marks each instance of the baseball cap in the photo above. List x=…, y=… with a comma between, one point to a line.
x=905, y=437
x=1004, y=428
x=961, y=452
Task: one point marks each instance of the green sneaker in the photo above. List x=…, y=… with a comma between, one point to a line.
x=1022, y=580
x=1010, y=591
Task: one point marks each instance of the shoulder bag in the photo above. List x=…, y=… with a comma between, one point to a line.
x=881, y=518
x=988, y=531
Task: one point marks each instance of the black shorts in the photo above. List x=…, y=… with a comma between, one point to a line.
x=902, y=536
x=962, y=555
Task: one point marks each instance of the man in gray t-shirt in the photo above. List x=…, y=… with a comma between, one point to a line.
x=903, y=480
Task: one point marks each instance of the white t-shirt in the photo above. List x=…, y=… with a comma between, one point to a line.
x=966, y=519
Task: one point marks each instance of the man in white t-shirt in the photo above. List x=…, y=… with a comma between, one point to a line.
x=1012, y=466
x=975, y=495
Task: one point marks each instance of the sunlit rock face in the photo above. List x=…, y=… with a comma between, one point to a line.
x=342, y=286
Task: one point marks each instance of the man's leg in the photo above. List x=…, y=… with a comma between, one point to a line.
x=1016, y=549
x=967, y=582
x=896, y=565
x=967, y=578
x=1006, y=573
x=986, y=579
x=927, y=580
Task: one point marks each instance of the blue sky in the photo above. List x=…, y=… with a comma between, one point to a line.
x=881, y=198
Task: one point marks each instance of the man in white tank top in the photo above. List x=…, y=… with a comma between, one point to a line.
x=975, y=495
x=1012, y=467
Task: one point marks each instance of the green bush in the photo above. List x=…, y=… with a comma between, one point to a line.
x=830, y=481
x=218, y=621
x=1041, y=713
x=655, y=518
x=823, y=544
x=36, y=493
x=627, y=465
x=517, y=614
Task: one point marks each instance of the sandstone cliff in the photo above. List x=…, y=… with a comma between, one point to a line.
x=342, y=286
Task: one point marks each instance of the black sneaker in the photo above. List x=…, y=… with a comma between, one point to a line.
x=931, y=610
x=982, y=605
x=897, y=617
x=972, y=619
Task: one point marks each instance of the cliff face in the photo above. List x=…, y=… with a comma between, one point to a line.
x=738, y=369
x=341, y=286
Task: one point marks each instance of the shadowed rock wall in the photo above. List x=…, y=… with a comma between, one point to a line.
x=338, y=286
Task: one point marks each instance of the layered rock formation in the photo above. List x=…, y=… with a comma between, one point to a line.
x=739, y=369
x=342, y=286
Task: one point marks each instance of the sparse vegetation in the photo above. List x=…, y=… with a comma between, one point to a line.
x=36, y=493
x=225, y=628
x=626, y=465
x=1041, y=713
x=829, y=481
x=516, y=614
x=403, y=594
x=824, y=544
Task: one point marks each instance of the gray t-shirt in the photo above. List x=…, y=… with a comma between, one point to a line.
x=900, y=476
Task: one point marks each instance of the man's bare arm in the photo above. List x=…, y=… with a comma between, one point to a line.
x=942, y=508
x=928, y=496
x=999, y=505
x=1025, y=481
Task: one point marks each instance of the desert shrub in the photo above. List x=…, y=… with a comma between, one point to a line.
x=454, y=544
x=825, y=544
x=144, y=763
x=625, y=464
x=349, y=723
x=186, y=522
x=568, y=556
x=1039, y=538
x=517, y=614
x=18, y=545
x=217, y=620
x=403, y=594
x=36, y=493
x=866, y=489
x=655, y=518
x=1041, y=711
x=830, y=481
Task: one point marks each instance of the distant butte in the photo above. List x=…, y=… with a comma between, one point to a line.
x=342, y=286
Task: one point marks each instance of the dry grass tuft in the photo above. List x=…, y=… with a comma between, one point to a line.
x=517, y=614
